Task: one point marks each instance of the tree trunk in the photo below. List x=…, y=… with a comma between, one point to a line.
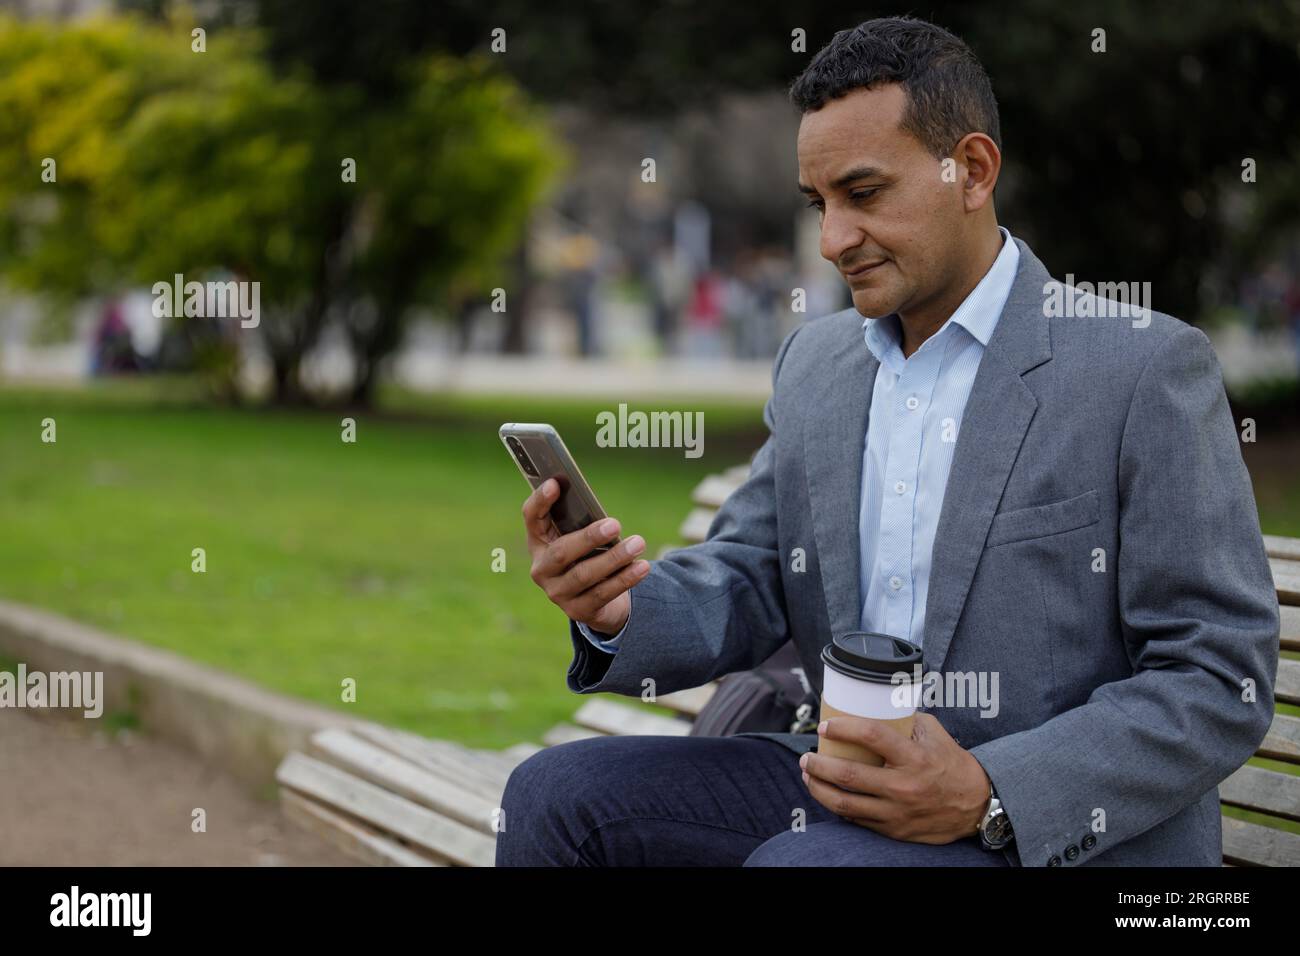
x=363, y=386
x=284, y=375
x=301, y=331
x=518, y=298
x=371, y=347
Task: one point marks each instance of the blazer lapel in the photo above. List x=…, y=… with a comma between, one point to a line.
x=997, y=415
x=834, y=432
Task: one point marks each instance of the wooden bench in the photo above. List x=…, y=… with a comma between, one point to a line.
x=393, y=798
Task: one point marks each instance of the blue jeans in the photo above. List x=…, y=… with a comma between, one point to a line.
x=689, y=801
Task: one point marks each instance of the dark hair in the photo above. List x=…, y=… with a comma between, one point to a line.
x=948, y=92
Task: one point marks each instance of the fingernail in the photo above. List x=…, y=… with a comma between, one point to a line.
x=608, y=526
x=821, y=728
x=551, y=486
x=635, y=544
x=805, y=778
x=803, y=761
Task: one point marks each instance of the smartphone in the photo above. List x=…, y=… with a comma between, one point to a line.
x=539, y=453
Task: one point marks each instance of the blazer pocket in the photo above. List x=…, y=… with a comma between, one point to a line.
x=1040, y=521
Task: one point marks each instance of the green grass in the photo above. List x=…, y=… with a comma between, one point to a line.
x=325, y=560
x=328, y=561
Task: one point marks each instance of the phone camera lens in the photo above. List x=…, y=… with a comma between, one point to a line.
x=523, y=458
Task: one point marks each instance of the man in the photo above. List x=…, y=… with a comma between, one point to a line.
x=1053, y=502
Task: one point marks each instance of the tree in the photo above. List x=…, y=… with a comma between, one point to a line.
x=171, y=161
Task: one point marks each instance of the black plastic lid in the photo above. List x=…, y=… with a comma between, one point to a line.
x=870, y=656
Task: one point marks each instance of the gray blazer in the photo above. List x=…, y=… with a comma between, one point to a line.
x=1126, y=694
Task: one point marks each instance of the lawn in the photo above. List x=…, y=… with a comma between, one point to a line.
x=325, y=560
x=328, y=560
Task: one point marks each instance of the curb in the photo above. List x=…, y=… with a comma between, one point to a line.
x=233, y=724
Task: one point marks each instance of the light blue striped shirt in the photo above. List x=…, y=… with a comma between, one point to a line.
x=916, y=411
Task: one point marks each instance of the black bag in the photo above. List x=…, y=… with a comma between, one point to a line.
x=774, y=697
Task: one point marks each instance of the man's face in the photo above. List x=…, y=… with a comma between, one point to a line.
x=882, y=201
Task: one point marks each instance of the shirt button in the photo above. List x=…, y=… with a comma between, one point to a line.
x=900, y=487
x=895, y=582
x=912, y=402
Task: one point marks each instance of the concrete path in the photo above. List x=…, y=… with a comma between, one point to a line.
x=73, y=793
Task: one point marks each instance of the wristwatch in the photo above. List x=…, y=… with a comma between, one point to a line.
x=995, y=829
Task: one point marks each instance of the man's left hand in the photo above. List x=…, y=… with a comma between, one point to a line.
x=930, y=790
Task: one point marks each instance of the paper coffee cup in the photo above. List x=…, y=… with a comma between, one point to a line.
x=866, y=674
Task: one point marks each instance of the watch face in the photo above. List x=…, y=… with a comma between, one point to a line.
x=998, y=830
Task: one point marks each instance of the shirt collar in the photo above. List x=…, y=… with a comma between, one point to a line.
x=978, y=313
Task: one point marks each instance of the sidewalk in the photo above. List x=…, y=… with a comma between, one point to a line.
x=425, y=369
x=74, y=794
x=609, y=378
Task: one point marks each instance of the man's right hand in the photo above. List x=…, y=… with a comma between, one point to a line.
x=591, y=590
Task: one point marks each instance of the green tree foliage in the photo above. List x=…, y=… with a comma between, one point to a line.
x=172, y=161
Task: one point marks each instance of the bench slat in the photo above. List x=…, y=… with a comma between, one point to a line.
x=1280, y=547
x=563, y=733
x=1290, y=627
x=1283, y=739
x=355, y=839
x=1286, y=578
x=713, y=491
x=688, y=702
x=490, y=766
x=514, y=755
x=1288, y=566
x=475, y=765
x=380, y=767
x=615, y=719
x=1266, y=791
x=443, y=837
x=1287, y=688
x=501, y=763
x=1249, y=844
x=440, y=764
x=696, y=526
